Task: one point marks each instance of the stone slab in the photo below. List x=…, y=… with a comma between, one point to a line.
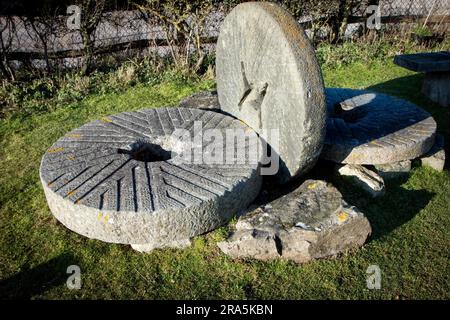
x=268, y=76
x=309, y=223
x=117, y=180
x=364, y=178
x=425, y=62
x=435, y=158
x=205, y=100
x=365, y=127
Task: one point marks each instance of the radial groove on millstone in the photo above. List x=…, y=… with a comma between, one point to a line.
x=125, y=187
x=268, y=76
x=365, y=127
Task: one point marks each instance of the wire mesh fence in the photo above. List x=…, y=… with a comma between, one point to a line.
x=59, y=39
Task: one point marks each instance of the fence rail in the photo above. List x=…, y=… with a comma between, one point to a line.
x=43, y=41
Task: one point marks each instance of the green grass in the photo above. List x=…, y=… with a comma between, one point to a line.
x=410, y=240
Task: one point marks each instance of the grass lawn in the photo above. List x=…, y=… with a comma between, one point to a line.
x=410, y=240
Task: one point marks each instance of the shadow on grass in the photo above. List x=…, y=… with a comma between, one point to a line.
x=387, y=213
x=408, y=87
x=34, y=281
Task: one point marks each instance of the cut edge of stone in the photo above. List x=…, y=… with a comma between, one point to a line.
x=435, y=158
x=148, y=247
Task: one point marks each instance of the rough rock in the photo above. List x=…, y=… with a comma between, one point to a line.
x=268, y=76
x=309, y=223
x=370, y=128
x=205, y=100
x=364, y=178
x=119, y=180
x=393, y=170
x=435, y=158
x=436, y=66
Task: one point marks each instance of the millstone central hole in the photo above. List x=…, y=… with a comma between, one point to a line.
x=146, y=152
x=349, y=115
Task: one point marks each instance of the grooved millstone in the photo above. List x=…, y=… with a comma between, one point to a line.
x=101, y=193
x=268, y=76
x=372, y=128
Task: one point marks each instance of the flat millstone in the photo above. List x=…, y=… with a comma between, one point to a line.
x=268, y=76
x=365, y=127
x=97, y=186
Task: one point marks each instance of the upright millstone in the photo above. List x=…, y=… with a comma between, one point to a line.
x=268, y=76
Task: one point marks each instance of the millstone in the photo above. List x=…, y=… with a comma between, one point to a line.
x=117, y=179
x=364, y=127
x=268, y=76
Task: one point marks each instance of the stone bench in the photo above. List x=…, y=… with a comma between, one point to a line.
x=436, y=66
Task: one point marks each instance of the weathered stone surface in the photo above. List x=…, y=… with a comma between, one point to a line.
x=436, y=86
x=372, y=128
x=424, y=61
x=114, y=179
x=268, y=76
x=364, y=178
x=206, y=100
x=435, y=158
x=436, y=65
x=393, y=170
x=309, y=223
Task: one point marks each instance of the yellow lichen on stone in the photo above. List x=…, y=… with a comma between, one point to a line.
x=71, y=193
x=342, y=216
x=312, y=186
x=373, y=142
x=73, y=135
x=55, y=150
x=104, y=217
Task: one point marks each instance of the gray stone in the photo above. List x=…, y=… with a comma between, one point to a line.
x=364, y=127
x=364, y=178
x=268, y=76
x=436, y=65
x=436, y=86
x=206, y=100
x=309, y=223
x=393, y=170
x=117, y=179
x=435, y=158
x=424, y=61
